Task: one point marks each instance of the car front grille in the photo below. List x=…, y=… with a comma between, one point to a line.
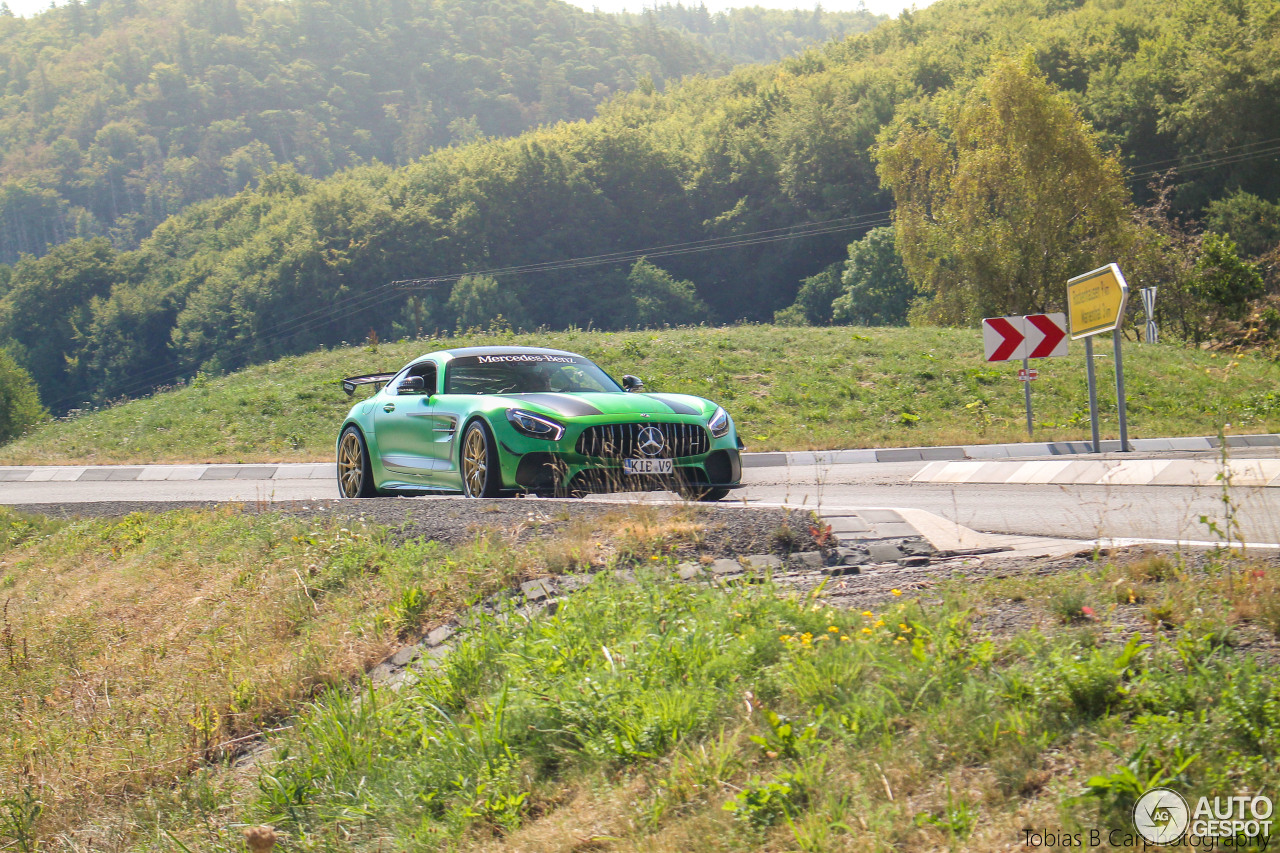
x=622, y=441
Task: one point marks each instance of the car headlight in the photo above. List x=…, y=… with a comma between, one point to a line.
x=535, y=426
x=719, y=423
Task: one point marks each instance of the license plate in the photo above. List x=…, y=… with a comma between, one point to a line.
x=647, y=466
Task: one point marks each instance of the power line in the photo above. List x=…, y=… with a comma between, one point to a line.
x=1210, y=164
x=381, y=294
x=147, y=379
x=791, y=232
x=1156, y=166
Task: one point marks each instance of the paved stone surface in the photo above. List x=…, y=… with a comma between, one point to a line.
x=761, y=562
x=883, y=553
x=847, y=524
x=688, y=571
x=255, y=472
x=725, y=566
x=440, y=635
x=405, y=655
x=809, y=559
x=881, y=516
x=538, y=590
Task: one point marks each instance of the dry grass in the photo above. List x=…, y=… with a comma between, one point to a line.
x=649, y=530
x=1232, y=588
x=139, y=658
x=134, y=651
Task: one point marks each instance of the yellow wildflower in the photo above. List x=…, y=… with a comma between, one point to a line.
x=866, y=630
x=833, y=630
x=896, y=591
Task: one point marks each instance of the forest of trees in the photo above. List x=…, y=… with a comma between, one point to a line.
x=731, y=198
x=753, y=34
x=116, y=114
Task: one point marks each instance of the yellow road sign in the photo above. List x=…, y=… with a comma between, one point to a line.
x=1096, y=300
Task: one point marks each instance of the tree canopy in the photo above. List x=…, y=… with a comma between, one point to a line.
x=1005, y=197
x=743, y=185
x=20, y=407
x=117, y=115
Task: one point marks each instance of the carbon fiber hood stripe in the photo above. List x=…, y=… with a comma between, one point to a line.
x=564, y=404
x=677, y=408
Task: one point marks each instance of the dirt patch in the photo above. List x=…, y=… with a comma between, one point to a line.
x=725, y=531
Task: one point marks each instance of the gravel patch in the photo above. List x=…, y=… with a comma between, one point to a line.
x=727, y=531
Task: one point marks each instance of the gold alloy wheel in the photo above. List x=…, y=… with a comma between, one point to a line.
x=351, y=464
x=475, y=461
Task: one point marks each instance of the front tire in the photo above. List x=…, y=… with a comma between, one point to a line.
x=478, y=465
x=355, y=471
x=703, y=493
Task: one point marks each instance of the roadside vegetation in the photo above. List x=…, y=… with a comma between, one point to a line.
x=787, y=388
x=682, y=718
x=135, y=650
x=142, y=655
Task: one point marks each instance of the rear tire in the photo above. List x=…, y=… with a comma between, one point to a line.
x=355, y=471
x=478, y=463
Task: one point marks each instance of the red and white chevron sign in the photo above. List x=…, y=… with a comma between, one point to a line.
x=1032, y=336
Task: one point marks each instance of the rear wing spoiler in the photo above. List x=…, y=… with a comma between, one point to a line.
x=377, y=380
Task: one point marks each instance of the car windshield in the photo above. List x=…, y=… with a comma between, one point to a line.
x=525, y=373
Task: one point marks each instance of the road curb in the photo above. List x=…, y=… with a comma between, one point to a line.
x=774, y=459
x=160, y=473
x=768, y=459
x=1239, y=473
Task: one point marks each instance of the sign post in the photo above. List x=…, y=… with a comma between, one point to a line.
x=1149, y=306
x=1032, y=336
x=1096, y=303
x=1093, y=393
x=1026, y=392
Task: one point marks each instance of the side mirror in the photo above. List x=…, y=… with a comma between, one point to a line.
x=632, y=383
x=412, y=385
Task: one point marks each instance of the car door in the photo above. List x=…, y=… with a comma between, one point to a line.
x=403, y=423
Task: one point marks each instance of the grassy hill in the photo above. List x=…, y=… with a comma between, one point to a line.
x=787, y=388
x=763, y=177
x=140, y=655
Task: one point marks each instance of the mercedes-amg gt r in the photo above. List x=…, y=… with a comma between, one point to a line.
x=489, y=421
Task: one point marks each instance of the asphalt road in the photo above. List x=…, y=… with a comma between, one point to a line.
x=1075, y=512
x=1079, y=512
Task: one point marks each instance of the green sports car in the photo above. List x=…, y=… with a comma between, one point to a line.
x=487, y=421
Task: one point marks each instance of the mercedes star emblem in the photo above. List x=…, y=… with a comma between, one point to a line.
x=650, y=441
